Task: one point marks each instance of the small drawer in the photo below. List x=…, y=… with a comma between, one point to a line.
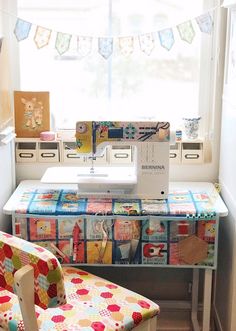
x=48, y=152
x=26, y=152
x=192, y=153
x=69, y=153
x=175, y=153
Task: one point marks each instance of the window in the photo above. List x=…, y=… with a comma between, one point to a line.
x=166, y=85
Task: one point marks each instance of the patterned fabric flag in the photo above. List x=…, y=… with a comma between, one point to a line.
x=62, y=42
x=22, y=29
x=126, y=45
x=186, y=31
x=105, y=47
x=42, y=36
x=166, y=37
x=146, y=42
x=84, y=45
x=205, y=23
x=1, y=40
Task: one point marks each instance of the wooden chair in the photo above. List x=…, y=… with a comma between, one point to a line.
x=50, y=297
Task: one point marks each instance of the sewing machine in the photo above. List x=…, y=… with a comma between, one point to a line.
x=130, y=158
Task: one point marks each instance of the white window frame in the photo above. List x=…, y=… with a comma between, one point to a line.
x=209, y=106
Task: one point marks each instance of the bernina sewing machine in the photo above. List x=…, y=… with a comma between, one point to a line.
x=120, y=158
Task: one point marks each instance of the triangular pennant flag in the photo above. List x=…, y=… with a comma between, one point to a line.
x=42, y=36
x=205, y=23
x=146, y=42
x=166, y=37
x=186, y=31
x=62, y=42
x=22, y=29
x=1, y=40
x=84, y=45
x=126, y=45
x=105, y=47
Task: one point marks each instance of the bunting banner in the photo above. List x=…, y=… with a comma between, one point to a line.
x=105, y=47
x=167, y=39
x=186, y=31
x=62, y=42
x=22, y=29
x=146, y=42
x=42, y=36
x=84, y=45
x=205, y=23
x=126, y=44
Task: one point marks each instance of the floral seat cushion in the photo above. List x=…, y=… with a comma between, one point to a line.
x=93, y=304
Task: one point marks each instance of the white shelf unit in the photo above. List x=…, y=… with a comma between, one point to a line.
x=187, y=152
x=34, y=150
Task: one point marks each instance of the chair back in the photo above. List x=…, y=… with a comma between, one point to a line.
x=16, y=253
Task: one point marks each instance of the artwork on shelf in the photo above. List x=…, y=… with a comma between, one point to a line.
x=32, y=114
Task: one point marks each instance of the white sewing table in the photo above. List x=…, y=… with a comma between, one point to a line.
x=219, y=207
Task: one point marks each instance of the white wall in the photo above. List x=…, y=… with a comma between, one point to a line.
x=7, y=159
x=226, y=273
x=225, y=295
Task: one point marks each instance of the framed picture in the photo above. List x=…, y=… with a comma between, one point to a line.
x=32, y=114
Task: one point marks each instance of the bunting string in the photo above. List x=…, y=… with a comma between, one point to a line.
x=105, y=45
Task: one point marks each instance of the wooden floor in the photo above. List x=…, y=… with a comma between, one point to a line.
x=175, y=321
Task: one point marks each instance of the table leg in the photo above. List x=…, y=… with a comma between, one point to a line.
x=207, y=300
x=194, y=309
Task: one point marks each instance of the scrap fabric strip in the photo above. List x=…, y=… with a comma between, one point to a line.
x=62, y=42
x=42, y=36
x=22, y=29
x=186, y=31
x=167, y=39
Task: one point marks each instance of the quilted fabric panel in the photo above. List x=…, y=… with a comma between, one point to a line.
x=49, y=282
x=94, y=304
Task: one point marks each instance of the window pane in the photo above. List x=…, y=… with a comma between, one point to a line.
x=164, y=85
